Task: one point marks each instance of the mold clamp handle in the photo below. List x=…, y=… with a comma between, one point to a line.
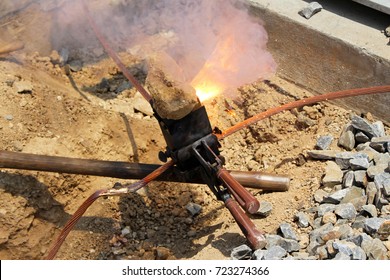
x=242, y=195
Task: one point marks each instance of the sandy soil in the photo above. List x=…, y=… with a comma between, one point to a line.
x=87, y=114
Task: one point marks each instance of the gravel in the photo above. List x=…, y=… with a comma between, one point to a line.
x=351, y=220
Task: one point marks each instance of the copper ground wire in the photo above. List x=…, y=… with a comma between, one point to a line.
x=303, y=102
x=91, y=199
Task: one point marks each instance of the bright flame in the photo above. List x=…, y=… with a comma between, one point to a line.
x=207, y=90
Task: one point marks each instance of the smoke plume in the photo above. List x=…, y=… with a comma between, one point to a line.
x=214, y=42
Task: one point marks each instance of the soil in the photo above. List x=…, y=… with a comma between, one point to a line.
x=89, y=114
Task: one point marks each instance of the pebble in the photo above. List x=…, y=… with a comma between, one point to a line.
x=141, y=105
x=348, y=179
x=341, y=256
x=371, y=225
x=287, y=231
x=333, y=175
x=379, y=128
x=310, y=10
x=23, y=87
x=329, y=217
x=322, y=154
x=76, y=65
x=9, y=117
x=360, y=177
x=375, y=170
x=265, y=209
x=346, y=211
x=375, y=250
x=384, y=229
x=275, y=253
x=243, y=252
x=319, y=195
x=336, y=197
x=363, y=125
x=370, y=210
x=324, y=142
x=347, y=138
x=360, y=137
x=193, y=208
x=353, y=193
x=302, y=220
x=162, y=253
x=258, y=254
x=359, y=163
x=323, y=208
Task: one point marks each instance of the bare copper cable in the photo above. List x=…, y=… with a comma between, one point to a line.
x=91, y=199
x=113, y=54
x=303, y=102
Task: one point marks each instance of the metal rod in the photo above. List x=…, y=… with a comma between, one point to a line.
x=127, y=170
x=255, y=238
x=243, y=196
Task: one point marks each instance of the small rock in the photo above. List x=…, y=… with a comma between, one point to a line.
x=126, y=231
x=162, y=253
x=348, y=179
x=243, y=252
x=141, y=105
x=323, y=155
x=384, y=229
x=379, y=128
x=358, y=254
x=371, y=191
x=191, y=233
x=333, y=175
x=317, y=234
x=359, y=222
x=342, y=159
x=346, y=211
x=322, y=252
x=275, y=253
x=311, y=9
x=9, y=117
x=341, y=256
x=193, y=208
x=375, y=250
x=329, y=217
x=375, y=170
x=360, y=178
x=76, y=65
x=387, y=31
x=372, y=225
x=287, y=231
x=302, y=220
x=23, y=86
x=336, y=197
x=363, y=125
x=258, y=254
x=353, y=193
x=347, y=138
x=345, y=247
x=369, y=210
x=323, y=208
x=359, y=163
x=265, y=209
x=324, y=142
x=319, y=195
x=360, y=137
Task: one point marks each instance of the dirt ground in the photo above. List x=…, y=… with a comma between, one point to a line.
x=89, y=113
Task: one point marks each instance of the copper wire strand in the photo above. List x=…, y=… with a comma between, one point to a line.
x=303, y=102
x=92, y=198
